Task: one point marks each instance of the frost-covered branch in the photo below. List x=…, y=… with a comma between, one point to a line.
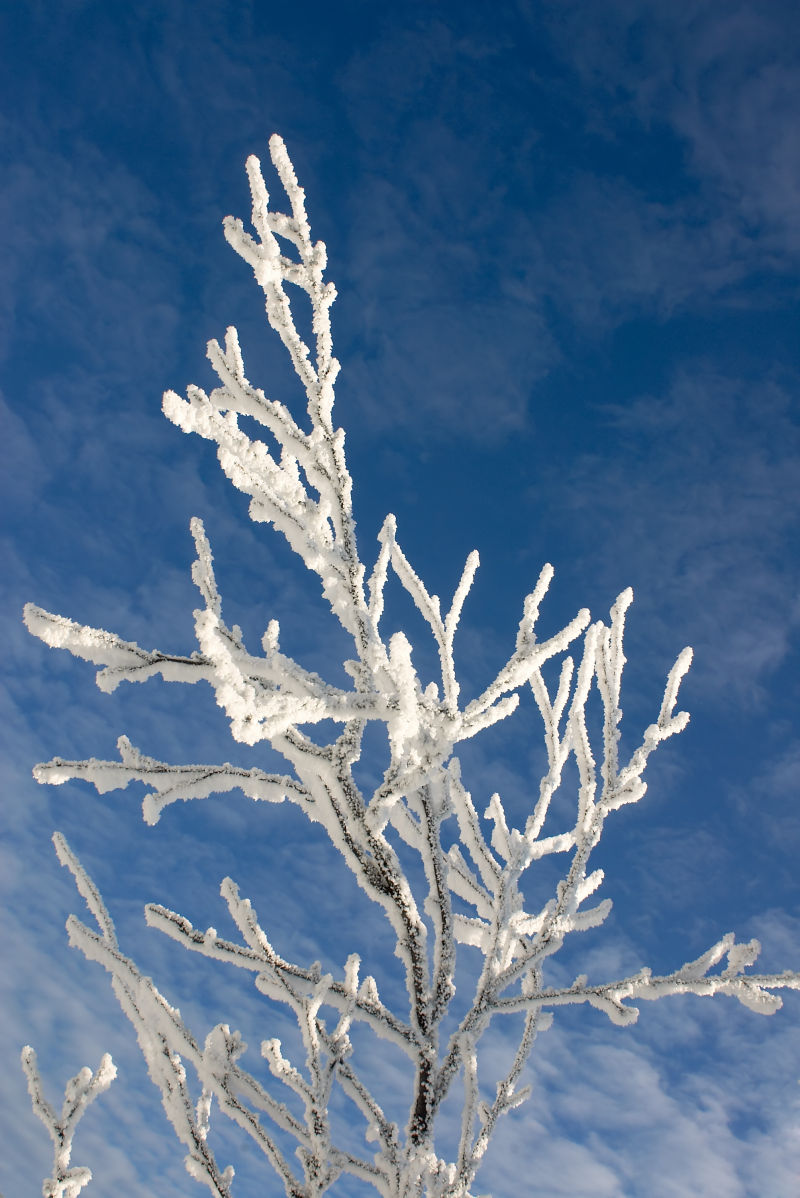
x=122, y=660
x=67, y=1181
x=258, y=956
x=752, y=990
x=166, y=1044
x=158, y=1027
x=171, y=782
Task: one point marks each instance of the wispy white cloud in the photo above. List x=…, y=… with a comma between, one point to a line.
x=697, y=489
x=722, y=77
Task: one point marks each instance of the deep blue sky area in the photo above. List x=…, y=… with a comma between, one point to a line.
x=566, y=241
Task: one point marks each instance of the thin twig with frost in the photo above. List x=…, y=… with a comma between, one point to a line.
x=81, y=1090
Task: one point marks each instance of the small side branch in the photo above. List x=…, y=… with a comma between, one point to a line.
x=258, y=956
x=473, y=1146
x=81, y=1090
x=122, y=660
x=171, y=782
x=753, y=991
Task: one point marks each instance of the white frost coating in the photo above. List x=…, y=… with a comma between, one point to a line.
x=67, y=1181
x=171, y=782
x=473, y=894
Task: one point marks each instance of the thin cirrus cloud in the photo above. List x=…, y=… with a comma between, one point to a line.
x=723, y=78
x=699, y=489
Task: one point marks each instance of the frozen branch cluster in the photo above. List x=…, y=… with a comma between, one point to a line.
x=474, y=891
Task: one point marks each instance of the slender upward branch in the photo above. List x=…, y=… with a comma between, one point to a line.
x=67, y=1181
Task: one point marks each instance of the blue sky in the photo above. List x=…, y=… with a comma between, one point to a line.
x=566, y=239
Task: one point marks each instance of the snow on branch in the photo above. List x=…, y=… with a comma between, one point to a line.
x=753, y=991
x=258, y=956
x=67, y=1181
x=123, y=660
x=171, y=782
